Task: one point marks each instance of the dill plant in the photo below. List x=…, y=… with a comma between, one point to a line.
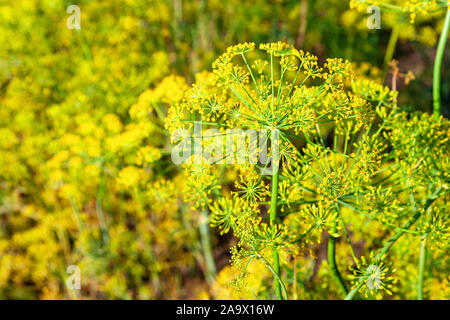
x=344, y=152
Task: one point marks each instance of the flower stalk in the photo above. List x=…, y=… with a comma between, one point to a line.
x=422, y=258
x=273, y=216
x=205, y=238
x=390, y=50
x=332, y=262
x=438, y=66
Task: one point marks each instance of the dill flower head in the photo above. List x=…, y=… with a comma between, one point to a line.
x=375, y=273
x=283, y=89
x=418, y=141
x=285, y=93
x=279, y=88
x=318, y=218
x=382, y=204
x=435, y=226
x=225, y=212
x=252, y=190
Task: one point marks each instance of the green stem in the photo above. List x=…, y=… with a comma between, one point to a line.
x=205, y=238
x=77, y=213
x=397, y=235
x=390, y=50
x=438, y=65
x=84, y=46
x=274, y=194
x=99, y=209
x=332, y=262
x=276, y=276
x=423, y=251
x=273, y=216
x=276, y=268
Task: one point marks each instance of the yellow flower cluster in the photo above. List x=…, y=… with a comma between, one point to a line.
x=419, y=20
x=412, y=7
x=79, y=153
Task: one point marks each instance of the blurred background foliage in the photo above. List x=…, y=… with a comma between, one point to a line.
x=86, y=177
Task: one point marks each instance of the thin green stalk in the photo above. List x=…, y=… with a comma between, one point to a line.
x=276, y=268
x=397, y=235
x=276, y=276
x=274, y=194
x=271, y=80
x=423, y=252
x=177, y=21
x=251, y=73
x=77, y=213
x=332, y=262
x=300, y=40
x=273, y=216
x=99, y=209
x=84, y=46
x=438, y=65
x=205, y=238
x=390, y=50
